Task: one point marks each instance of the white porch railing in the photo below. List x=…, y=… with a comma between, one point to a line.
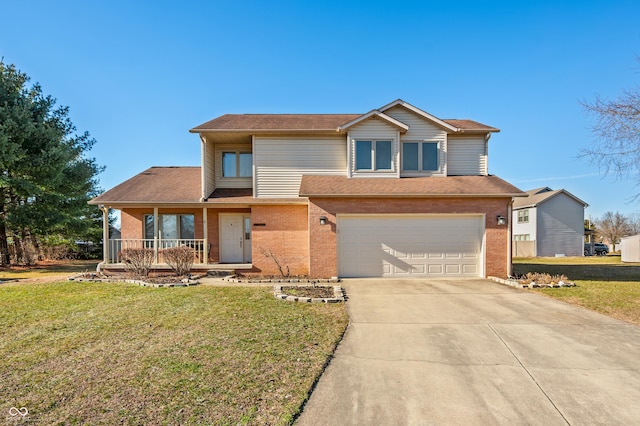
x=117, y=245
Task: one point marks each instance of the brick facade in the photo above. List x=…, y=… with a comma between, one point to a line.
x=323, y=242
x=283, y=232
x=132, y=227
x=292, y=234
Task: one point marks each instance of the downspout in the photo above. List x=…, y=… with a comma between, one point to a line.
x=105, y=237
x=205, y=234
x=203, y=168
x=509, y=239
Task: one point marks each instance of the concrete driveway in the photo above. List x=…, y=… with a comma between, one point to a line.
x=421, y=352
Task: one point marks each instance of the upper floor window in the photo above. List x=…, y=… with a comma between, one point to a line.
x=523, y=216
x=236, y=164
x=171, y=226
x=420, y=156
x=374, y=155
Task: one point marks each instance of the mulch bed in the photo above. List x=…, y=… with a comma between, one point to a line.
x=309, y=291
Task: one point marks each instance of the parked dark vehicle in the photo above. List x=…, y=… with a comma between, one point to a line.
x=599, y=249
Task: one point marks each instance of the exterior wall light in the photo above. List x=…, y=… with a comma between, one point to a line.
x=501, y=220
x=323, y=220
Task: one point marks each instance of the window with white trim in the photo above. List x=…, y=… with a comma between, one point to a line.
x=522, y=237
x=420, y=156
x=374, y=155
x=236, y=164
x=171, y=226
x=523, y=216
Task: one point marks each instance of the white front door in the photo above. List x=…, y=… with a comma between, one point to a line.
x=231, y=236
x=235, y=238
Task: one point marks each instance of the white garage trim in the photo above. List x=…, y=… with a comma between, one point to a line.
x=411, y=245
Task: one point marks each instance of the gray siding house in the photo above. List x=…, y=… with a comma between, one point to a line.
x=548, y=223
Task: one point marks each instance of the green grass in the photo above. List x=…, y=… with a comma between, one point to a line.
x=604, y=284
x=105, y=353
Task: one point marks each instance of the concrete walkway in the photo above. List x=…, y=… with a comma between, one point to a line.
x=453, y=352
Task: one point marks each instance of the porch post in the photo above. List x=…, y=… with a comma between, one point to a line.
x=105, y=233
x=205, y=235
x=155, y=235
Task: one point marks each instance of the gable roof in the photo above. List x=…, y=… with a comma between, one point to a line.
x=375, y=113
x=450, y=186
x=421, y=113
x=272, y=123
x=537, y=196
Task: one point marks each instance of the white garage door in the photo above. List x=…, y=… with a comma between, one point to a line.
x=410, y=245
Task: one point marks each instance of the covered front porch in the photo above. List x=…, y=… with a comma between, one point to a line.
x=219, y=238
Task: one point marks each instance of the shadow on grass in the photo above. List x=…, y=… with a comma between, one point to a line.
x=58, y=267
x=582, y=272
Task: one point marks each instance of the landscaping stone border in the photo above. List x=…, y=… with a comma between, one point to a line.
x=237, y=279
x=516, y=284
x=184, y=283
x=338, y=296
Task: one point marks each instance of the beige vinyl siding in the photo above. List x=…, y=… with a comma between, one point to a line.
x=209, y=168
x=467, y=156
x=421, y=130
x=225, y=182
x=280, y=162
x=374, y=129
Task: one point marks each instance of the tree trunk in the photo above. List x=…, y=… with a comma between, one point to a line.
x=4, y=245
x=17, y=245
x=35, y=243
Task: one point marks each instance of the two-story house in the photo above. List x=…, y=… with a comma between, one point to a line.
x=395, y=192
x=548, y=222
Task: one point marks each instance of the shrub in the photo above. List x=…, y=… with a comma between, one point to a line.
x=540, y=278
x=180, y=259
x=137, y=261
x=269, y=254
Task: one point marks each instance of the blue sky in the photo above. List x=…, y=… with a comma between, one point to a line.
x=138, y=75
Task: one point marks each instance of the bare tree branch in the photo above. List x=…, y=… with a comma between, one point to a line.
x=616, y=129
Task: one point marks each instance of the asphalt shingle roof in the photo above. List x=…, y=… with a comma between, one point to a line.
x=540, y=195
x=463, y=186
x=157, y=185
x=289, y=122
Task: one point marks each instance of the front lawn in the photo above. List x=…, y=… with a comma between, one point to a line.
x=104, y=353
x=47, y=270
x=604, y=284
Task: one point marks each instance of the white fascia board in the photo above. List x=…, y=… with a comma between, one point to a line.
x=378, y=114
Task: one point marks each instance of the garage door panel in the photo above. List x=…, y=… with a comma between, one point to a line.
x=435, y=269
x=409, y=246
x=470, y=269
x=452, y=269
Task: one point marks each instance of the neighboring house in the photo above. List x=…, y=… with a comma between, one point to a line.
x=630, y=248
x=548, y=223
x=393, y=192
